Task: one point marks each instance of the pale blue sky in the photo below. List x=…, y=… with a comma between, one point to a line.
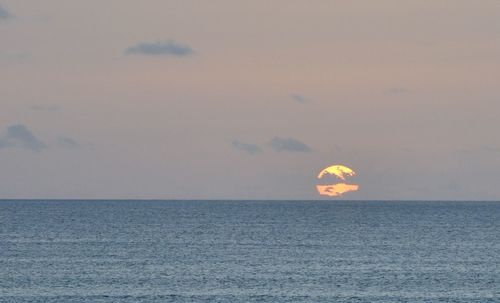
x=248, y=99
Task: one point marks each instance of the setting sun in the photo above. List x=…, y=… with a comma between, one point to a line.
x=337, y=170
x=336, y=189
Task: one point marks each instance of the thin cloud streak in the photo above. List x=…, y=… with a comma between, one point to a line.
x=67, y=142
x=248, y=148
x=299, y=98
x=161, y=48
x=279, y=144
x=47, y=108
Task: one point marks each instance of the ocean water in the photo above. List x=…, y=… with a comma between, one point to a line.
x=249, y=251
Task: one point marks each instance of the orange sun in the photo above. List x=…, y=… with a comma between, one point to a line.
x=337, y=189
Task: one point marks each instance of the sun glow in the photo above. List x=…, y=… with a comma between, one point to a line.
x=334, y=190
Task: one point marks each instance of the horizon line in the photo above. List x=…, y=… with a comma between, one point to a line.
x=242, y=200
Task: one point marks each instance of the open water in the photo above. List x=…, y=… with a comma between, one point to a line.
x=249, y=251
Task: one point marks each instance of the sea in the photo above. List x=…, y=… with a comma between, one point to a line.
x=249, y=251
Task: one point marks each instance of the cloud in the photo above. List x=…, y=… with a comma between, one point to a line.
x=47, y=108
x=299, y=98
x=14, y=57
x=161, y=48
x=246, y=147
x=20, y=136
x=4, y=14
x=67, y=142
x=289, y=145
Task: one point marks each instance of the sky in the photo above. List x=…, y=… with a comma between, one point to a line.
x=222, y=99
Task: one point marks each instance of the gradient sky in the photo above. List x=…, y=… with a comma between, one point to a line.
x=249, y=99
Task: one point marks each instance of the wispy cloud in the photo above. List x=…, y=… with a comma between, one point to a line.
x=288, y=145
x=47, y=108
x=20, y=136
x=299, y=98
x=160, y=48
x=14, y=57
x=4, y=13
x=67, y=142
x=248, y=148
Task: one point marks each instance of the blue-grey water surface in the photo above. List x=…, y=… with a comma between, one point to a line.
x=249, y=251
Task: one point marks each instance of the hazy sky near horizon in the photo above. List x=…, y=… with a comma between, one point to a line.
x=249, y=99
